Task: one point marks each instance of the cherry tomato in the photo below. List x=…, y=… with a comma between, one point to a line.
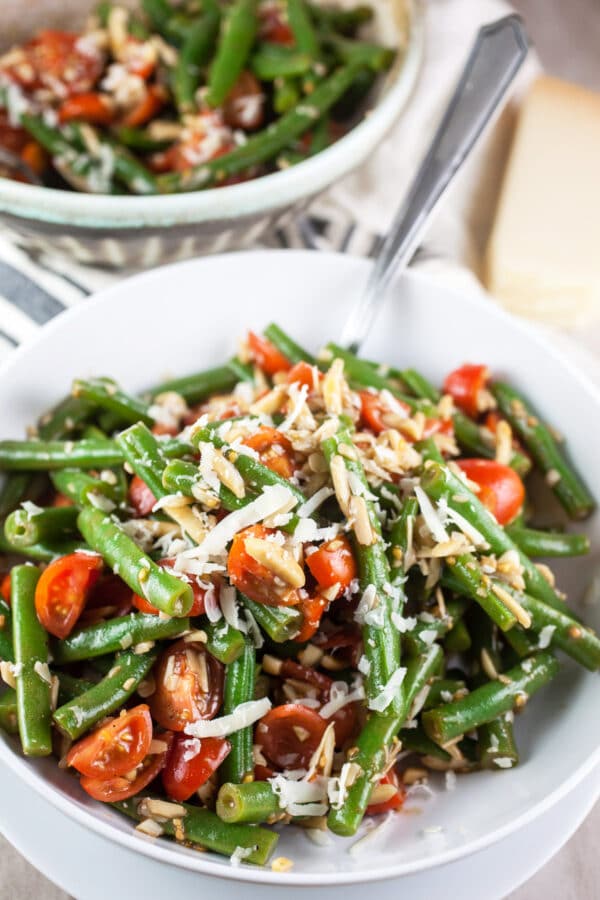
x=91, y=107
x=273, y=27
x=263, y=773
x=312, y=609
x=253, y=578
x=108, y=598
x=190, y=764
x=54, y=60
x=62, y=590
x=333, y=563
x=12, y=137
x=500, y=488
x=465, y=385
x=394, y=802
x=148, y=107
x=244, y=106
x=205, y=137
x=115, y=748
x=373, y=410
x=5, y=588
x=343, y=642
x=121, y=787
x=139, y=57
x=289, y=735
x=141, y=497
x=198, y=606
x=274, y=450
x=266, y=356
x=189, y=686
x=62, y=500
x=305, y=374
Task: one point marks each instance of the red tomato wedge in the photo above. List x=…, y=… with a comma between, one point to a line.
x=141, y=497
x=62, y=590
x=289, y=735
x=55, y=60
x=312, y=609
x=373, y=410
x=108, y=598
x=465, y=385
x=266, y=356
x=121, y=787
x=91, y=107
x=274, y=450
x=189, y=686
x=116, y=747
x=394, y=802
x=190, y=764
x=333, y=563
x=150, y=104
x=305, y=374
x=198, y=606
x=253, y=578
x=500, y=488
x=5, y=588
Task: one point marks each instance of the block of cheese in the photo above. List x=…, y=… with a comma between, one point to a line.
x=543, y=256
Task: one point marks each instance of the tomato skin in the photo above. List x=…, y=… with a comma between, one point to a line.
x=280, y=744
x=91, y=107
x=274, y=28
x=373, y=409
x=333, y=563
x=179, y=697
x=109, y=598
x=344, y=643
x=182, y=777
x=236, y=111
x=5, y=588
x=501, y=489
x=148, y=107
x=198, y=606
x=274, y=450
x=464, y=385
x=62, y=589
x=395, y=802
x=141, y=497
x=193, y=147
x=251, y=577
x=117, y=747
x=305, y=374
x=52, y=60
x=111, y=790
x=266, y=356
x=312, y=609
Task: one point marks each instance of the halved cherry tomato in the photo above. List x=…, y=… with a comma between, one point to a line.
x=108, y=598
x=305, y=374
x=266, y=356
x=62, y=590
x=34, y=155
x=263, y=773
x=244, y=106
x=62, y=500
x=5, y=588
x=91, y=107
x=394, y=802
x=54, y=60
x=291, y=669
x=150, y=104
x=438, y=426
x=189, y=686
x=190, y=764
x=141, y=497
x=500, y=488
x=253, y=578
x=343, y=642
x=465, y=385
x=111, y=790
x=312, y=609
x=116, y=747
x=333, y=563
x=198, y=606
x=205, y=137
x=373, y=410
x=274, y=450
x=273, y=27
x=289, y=735
x=139, y=57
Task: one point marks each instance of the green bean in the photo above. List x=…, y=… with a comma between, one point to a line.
x=305, y=36
x=239, y=688
x=419, y=385
x=442, y=687
x=250, y=803
x=281, y=623
x=83, y=712
x=23, y=528
x=233, y=50
x=114, y=635
x=82, y=488
x=161, y=589
x=489, y=701
x=194, y=54
x=105, y=393
x=467, y=574
x=372, y=56
x=429, y=450
x=194, y=388
x=415, y=740
x=345, y=21
x=381, y=642
x=271, y=61
x=6, y=642
x=8, y=712
x=41, y=552
x=458, y=639
x=286, y=95
x=562, y=478
x=205, y=828
x=496, y=744
x=577, y=640
x=140, y=139
x=143, y=453
x=32, y=674
x=400, y=536
x=69, y=415
x=180, y=477
x=70, y=687
x=224, y=642
x=534, y=542
x=373, y=742
x=48, y=455
x=160, y=13
x=14, y=490
x=266, y=144
x=438, y=481
x=242, y=371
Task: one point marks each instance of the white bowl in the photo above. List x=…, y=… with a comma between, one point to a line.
x=186, y=317
x=140, y=232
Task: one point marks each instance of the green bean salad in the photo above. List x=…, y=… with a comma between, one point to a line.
x=281, y=591
x=185, y=96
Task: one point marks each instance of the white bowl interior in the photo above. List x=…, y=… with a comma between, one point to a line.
x=187, y=317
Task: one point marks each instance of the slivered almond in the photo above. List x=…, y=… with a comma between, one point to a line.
x=547, y=573
x=300, y=732
x=317, y=463
x=412, y=775
x=161, y=809
x=310, y=656
x=277, y=560
x=229, y=475
x=194, y=637
x=271, y=665
x=504, y=438
x=149, y=827
x=157, y=747
x=348, y=451
x=522, y=616
x=332, y=388
x=188, y=522
x=381, y=793
x=331, y=592
x=271, y=402
x=487, y=664
x=361, y=524
x=341, y=484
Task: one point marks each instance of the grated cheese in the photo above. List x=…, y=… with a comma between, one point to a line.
x=381, y=702
x=546, y=635
x=432, y=519
x=340, y=695
x=244, y=715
